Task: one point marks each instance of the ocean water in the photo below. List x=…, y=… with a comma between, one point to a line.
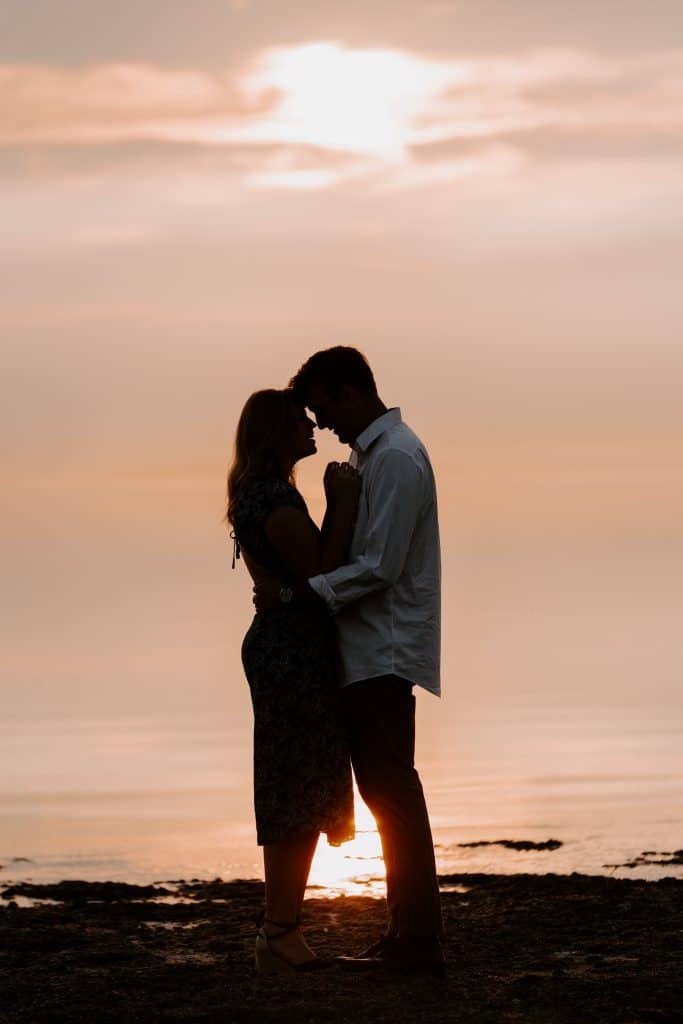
x=154, y=798
x=125, y=736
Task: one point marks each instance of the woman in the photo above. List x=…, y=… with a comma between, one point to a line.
x=302, y=772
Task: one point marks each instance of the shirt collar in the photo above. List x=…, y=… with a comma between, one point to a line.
x=379, y=426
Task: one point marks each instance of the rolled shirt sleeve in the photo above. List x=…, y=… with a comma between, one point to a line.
x=394, y=491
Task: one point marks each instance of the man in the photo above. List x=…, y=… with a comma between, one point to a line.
x=386, y=603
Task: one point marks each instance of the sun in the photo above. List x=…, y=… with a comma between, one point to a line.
x=352, y=868
x=365, y=101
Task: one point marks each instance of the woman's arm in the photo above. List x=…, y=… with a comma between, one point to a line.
x=297, y=542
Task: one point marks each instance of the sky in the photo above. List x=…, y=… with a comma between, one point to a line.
x=486, y=198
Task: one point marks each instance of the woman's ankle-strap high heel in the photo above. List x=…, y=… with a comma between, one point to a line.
x=267, y=961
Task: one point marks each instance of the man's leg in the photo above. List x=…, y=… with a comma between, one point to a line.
x=380, y=716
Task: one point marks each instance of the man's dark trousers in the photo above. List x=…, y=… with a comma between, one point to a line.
x=380, y=719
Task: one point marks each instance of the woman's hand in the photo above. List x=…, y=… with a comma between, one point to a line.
x=342, y=484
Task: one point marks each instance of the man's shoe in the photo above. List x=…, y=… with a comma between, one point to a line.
x=360, y=960
x=375, y=949
x=405, y=954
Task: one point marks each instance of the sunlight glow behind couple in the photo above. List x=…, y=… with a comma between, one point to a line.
x=354, y=868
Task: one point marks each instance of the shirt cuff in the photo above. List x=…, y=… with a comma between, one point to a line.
x=322, y=588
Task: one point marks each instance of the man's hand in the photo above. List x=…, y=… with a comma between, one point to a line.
x=266, y=594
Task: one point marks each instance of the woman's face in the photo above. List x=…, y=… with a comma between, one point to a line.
x=304, y=442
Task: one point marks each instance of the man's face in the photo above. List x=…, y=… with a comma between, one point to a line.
x=337, y=413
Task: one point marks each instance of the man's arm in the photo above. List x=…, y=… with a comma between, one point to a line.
x=394, y=494
x=290, y=534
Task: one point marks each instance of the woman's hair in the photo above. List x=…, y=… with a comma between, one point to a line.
x=266, y=425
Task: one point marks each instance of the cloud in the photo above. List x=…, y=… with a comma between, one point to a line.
x=557, y=89
x=321, y=114
x=150, y=159
x=566, y=144
x=120, y=102
x=481, y=164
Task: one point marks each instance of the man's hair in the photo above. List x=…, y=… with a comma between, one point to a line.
x=331, y=369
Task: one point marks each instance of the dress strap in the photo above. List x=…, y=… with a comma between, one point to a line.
x=235, y=547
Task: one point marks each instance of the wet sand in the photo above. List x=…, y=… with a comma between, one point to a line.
x=520, y=948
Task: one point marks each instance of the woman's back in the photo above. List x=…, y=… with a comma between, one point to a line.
x=255, y=503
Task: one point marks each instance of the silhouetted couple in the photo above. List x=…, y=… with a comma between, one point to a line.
x=348, y=620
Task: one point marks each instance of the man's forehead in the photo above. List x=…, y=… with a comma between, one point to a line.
x=316, y=397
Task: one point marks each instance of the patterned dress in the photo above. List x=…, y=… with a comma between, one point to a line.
x=302, y=769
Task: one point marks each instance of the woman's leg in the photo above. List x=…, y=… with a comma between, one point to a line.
x=287, y=865
x=305, y=867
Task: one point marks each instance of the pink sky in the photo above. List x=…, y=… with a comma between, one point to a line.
x=487, y=199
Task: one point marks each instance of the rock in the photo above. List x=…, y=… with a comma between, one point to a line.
x=517, y=844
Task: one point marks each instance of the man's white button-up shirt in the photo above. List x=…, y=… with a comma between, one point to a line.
x=387, y=600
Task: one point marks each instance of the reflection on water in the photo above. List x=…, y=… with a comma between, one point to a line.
x=607, y=789
x=150, y=847
x=356, y=867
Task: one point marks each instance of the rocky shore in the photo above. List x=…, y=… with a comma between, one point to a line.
x=529, y=949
